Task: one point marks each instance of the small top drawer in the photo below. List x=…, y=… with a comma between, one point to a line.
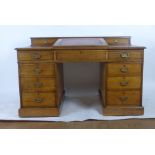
x=118, y=40
x=35, y=55
x=125, y=55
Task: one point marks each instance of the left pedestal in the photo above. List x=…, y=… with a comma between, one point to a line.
x=40, y=83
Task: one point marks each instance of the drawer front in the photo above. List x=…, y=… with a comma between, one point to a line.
x=124, y=98
x=117, y=41
x=124, y=82
x=35, y=55
x=41, y=69
x=115, y=69
x=125, y=55
x=80, y=55
x=38, y=84
x=38, y=99
x=42, y=41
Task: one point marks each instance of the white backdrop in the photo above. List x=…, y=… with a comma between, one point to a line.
x=67, y=12
x=80, y=78
x=18, y=36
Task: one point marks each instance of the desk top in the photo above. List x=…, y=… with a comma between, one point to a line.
x=111, y=42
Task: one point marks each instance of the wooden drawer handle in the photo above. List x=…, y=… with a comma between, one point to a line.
x=38, y=84
x=124, y=83
x=37, y=71
x=124, y=55
x=36, y=56
x=124, y=69
x=38, y=100
x=123, y=98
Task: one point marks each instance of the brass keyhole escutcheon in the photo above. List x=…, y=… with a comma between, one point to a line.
x=80, y=52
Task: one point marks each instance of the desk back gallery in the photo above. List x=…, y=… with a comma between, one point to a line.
x=41, y=73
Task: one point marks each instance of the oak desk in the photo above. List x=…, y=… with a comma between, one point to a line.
x=41, y=73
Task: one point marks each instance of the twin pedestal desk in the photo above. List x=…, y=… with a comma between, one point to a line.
x=41, y=73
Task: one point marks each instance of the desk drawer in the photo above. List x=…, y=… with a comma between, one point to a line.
x=115, y=69
x=38, y=69
x=35, y=55
x=80, y=55
x=124, y=82
x=123, y=98
x=38, y=84
x=117, y=40
x=38, y=99
x=125, y=55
